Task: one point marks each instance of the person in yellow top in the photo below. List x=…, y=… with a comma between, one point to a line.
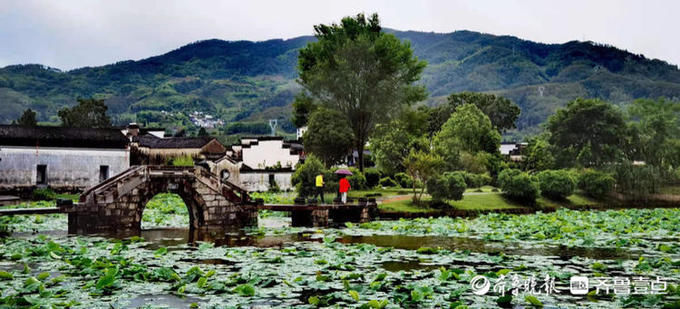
x=319, y=187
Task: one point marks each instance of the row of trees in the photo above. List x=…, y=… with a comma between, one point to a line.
x=594, y=133
x=358, y=88
x=89, y=113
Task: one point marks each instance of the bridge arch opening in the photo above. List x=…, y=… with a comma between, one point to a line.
x=178, y=202
x=165, y=210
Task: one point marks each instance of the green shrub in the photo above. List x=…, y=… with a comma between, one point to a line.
x=357, y=180
x=518, y=185
x=182, y=161
x=638, y=181
x=372, y=177
x=388, y=182
x=331, y=180
x=556, y=184
x=595, y=183
x=304, y=178
x=449, y=186
x=43, y=194
x=476, y=180
x=404, y=180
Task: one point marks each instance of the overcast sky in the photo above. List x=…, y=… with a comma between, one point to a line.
x=67, y=34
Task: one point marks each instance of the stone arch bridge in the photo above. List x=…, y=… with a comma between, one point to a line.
x=115, y=206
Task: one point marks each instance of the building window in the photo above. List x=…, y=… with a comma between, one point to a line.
x=41, y=175
x=272, y=182
x=103, y=172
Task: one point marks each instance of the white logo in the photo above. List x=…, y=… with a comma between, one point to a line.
x=480, y=285
x=578, y=285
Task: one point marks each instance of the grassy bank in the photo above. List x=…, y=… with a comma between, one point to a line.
x=485, y=201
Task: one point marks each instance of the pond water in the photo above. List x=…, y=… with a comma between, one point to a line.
x=420, y=263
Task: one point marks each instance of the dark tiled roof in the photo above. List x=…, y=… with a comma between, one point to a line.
x=151, y=141
x=263, y=138
x=11, y=135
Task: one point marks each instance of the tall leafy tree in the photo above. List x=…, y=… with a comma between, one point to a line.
x=28, y=119
x=303, y=107
x=502, y=112
x=539, y=154
x=392, y=141
x=328, y=136
x=422, y=166
x=360, y=71
x=657, y=124
x=590, y=132
x=468, y=130
x=89, y=113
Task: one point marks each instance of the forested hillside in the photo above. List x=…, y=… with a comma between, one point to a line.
x=246, y=83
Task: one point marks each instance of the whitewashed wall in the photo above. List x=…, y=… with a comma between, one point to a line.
x=259, y=181
x=77, y=167
x=224, y=164
x=267, y=153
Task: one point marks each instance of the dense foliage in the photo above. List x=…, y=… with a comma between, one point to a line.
x=539, y=154
x=466, y=138
x=304, y=178
x=502, y=112
x=448, y=186
x=372, y=177
x=328, y=136
x=595, y=183
x=589, y=132
x=638, y=181
x=656, y=128
x=420, y=167
x=473, y=180
x=89, y=113
x=388, y=182
x=362, y=72
x=392, y=141
x=43, y=194
x=27, y=119
x=556, y=184
x=518, y=185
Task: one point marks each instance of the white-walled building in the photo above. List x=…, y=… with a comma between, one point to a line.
x=268, y=152
x=300, y=132
x=513, y=150
x=257, y=163
x=60, y=158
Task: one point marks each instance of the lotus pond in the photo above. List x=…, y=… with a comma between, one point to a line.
x=419, y=263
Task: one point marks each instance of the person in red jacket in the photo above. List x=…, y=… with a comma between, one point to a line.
x=344, y=187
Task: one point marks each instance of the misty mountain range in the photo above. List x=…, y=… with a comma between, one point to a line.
x=249, y=82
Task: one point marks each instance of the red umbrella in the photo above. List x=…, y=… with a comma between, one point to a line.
x=343, y=171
